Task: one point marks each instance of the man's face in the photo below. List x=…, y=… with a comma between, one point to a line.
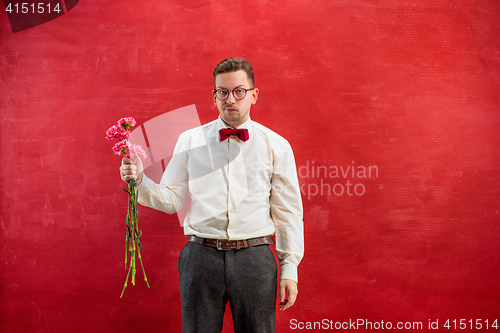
x=232, y=111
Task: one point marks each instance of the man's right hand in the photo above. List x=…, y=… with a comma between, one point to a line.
x=130, y=170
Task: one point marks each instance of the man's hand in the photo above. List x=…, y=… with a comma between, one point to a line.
x=129, y=170
x=289, y=286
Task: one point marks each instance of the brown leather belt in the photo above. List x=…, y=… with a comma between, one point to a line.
x=225, y=244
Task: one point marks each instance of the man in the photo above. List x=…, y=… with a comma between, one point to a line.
x=243, y=184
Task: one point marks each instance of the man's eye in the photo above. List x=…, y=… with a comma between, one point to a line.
x=239, y=91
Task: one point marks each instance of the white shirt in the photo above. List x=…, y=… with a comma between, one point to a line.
x=239, y=190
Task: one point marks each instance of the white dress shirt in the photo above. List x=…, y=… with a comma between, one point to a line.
x=238, y=190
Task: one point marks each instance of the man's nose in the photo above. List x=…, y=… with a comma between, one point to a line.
x=230, y=99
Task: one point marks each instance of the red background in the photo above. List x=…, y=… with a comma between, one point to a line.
x=411, y=87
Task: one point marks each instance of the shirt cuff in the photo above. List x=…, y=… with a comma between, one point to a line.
x=145, y=184
x=289, y=271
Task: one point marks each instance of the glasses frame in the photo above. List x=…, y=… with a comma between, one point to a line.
x=232, y=92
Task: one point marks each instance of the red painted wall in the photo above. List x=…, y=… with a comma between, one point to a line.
x=409, y=90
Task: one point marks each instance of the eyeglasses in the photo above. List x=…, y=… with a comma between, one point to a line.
x=238, y=93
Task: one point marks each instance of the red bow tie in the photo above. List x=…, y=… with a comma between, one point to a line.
x=240, y=133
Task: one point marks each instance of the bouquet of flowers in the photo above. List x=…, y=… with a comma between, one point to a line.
x=121, y=133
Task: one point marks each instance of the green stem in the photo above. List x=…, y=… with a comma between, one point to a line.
x=132, y=242
x=125, y=285
x=143, y=271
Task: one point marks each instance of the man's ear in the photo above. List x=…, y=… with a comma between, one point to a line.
x=255, y=95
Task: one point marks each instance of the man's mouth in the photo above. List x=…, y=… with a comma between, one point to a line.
x=230, y=109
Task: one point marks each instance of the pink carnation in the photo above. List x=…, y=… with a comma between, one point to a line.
x=126, y=122
x=117, y=132
x=136, y=150
x=122, y=147
x=111, y=132
x=122, y=135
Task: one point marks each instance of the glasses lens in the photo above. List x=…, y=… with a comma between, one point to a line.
x=222, y=94
x=240, y=93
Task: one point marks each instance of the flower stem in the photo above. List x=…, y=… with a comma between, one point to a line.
x=125, y=285
x=143, y=271
x=133, y=234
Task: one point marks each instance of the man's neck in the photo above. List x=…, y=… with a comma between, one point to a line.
x=230, y=125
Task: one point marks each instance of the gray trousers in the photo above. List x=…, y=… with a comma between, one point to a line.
x=209, y=278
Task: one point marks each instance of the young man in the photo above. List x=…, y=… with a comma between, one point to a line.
x=242, y=180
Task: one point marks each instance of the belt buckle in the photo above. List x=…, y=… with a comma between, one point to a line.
x=219, y=245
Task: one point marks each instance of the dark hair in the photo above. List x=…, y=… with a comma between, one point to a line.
x=230, y=65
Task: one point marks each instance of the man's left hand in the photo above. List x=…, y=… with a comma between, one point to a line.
x=289, y=286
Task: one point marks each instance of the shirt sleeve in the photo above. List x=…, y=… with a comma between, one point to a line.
x=170, y=194
x=287, y=212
